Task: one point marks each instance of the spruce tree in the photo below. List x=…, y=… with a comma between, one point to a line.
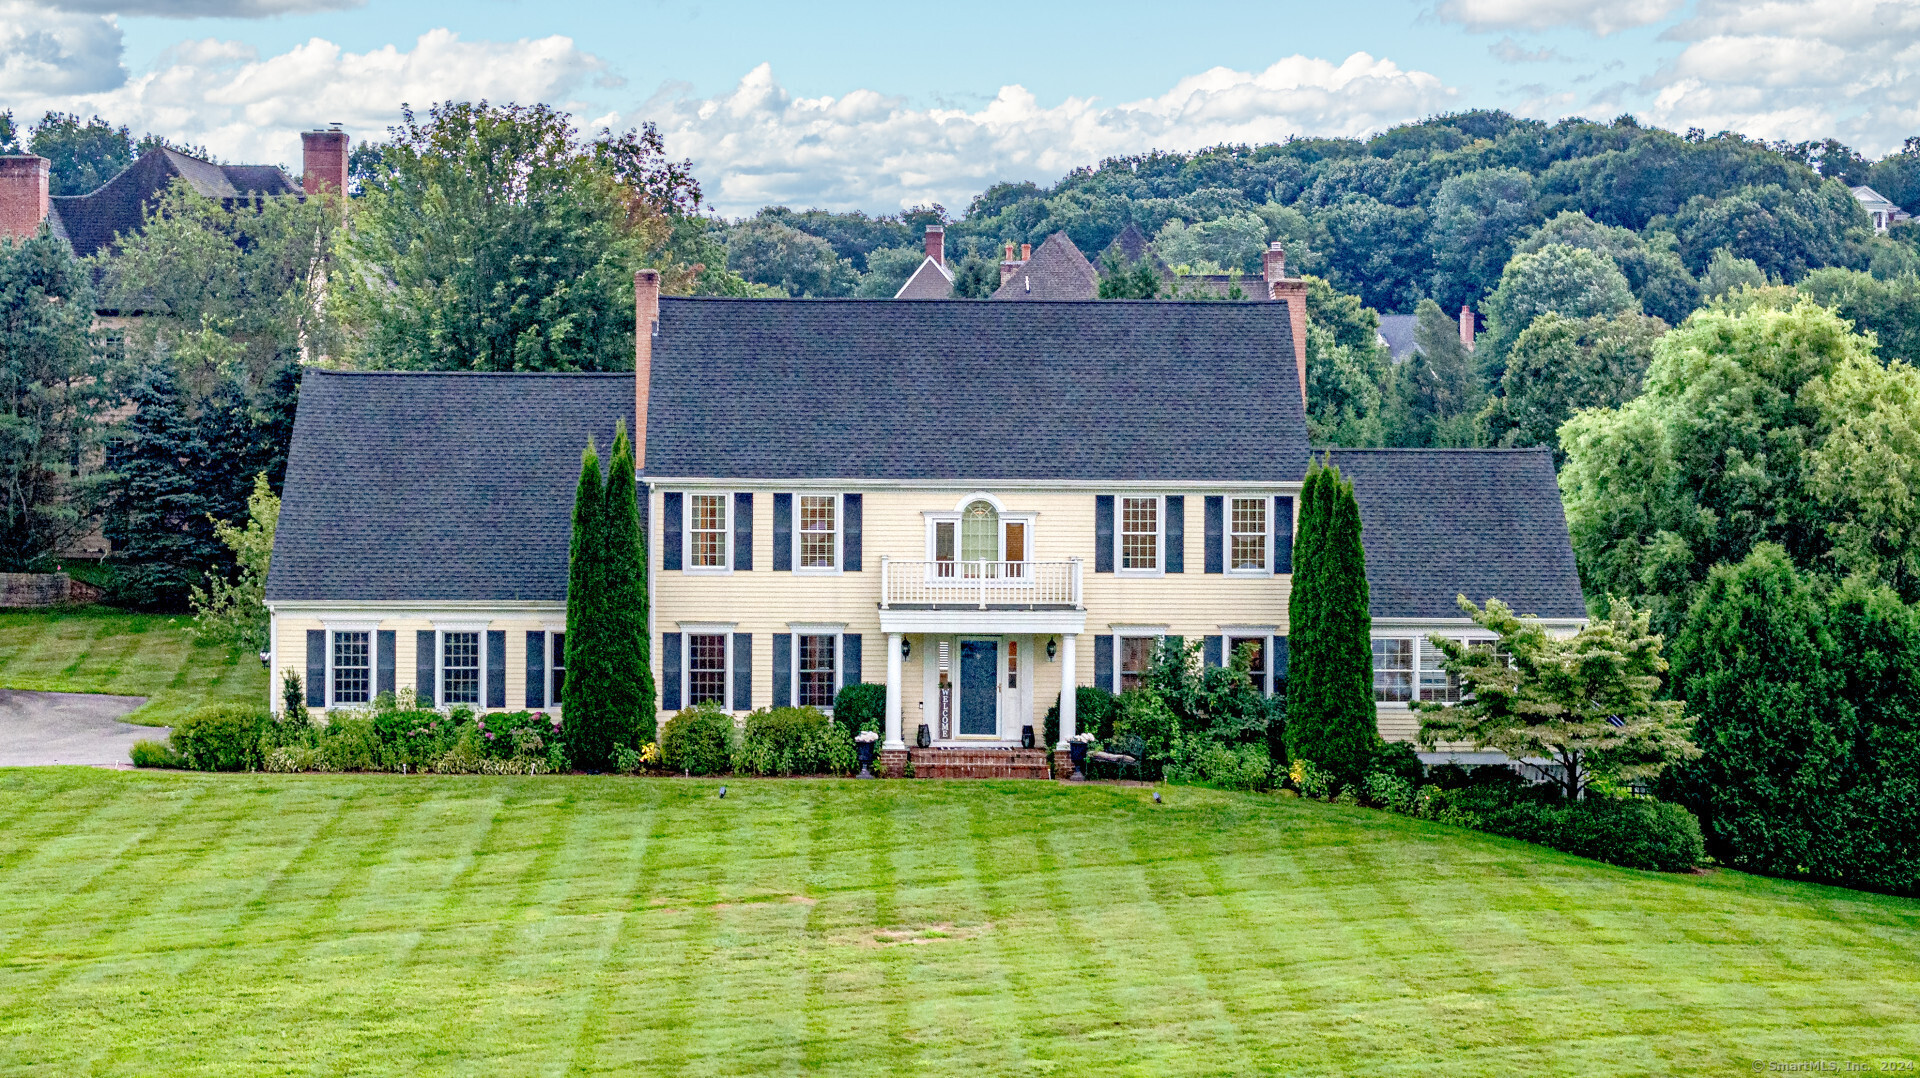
x=629, y=669
x=1330, y=711
x=585, y=701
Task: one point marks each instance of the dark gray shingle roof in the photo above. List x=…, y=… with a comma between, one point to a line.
x=90, y=221
x=437, y=487
x=1437, y=523
x=1057, y=270
x=1397, y=331
x=959, y=389
x=930, y=281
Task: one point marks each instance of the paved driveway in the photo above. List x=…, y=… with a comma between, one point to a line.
x=69, y=728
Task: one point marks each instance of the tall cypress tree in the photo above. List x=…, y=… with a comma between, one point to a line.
x=1330, y=710
x=585, y=703
x=629, y=667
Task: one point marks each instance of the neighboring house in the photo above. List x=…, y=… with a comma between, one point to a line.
x=90, y=222
x=1884, y=213
x=933, y=280
x=1398, y=333
x=977, y=505
x=1056, y=270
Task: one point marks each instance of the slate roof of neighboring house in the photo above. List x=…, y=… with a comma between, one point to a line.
x=90, y=221
x=1437, y=523
x=954, y=389
x=1057, y=270
x=931, y=281
x=1396, y=331
x=437, y=487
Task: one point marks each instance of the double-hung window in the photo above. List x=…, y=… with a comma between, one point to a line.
x=1247, y=535
x=1140, y=534
x=817, y=668
x=1393, y=670
x=460, y=667
x=707, y=531
x=1136, y=657
x=707, y=668
x=557, y=667
x=352, y=668
x=1436, y=685
x=819, y=531
x=1257, y=669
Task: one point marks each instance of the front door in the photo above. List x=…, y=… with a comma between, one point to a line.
x=979, y=688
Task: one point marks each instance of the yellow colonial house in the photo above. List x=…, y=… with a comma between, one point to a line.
x=976, y=504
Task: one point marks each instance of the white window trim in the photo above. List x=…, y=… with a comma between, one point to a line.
x=839, y=534
x=1226, y=534
x=1132, y=632
x=933, y=518
x=690, y=629
x=686, y=533
x=440, y=664
x=796, y=630
x=1420, y=646
x=1120, y=538
x=1265, y=633
x=371, y=628
x=556, y=652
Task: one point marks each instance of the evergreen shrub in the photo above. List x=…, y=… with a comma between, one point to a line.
x=1094, y=709
x=154, y=754
x=861, y=707
x=698, y=740
x=1330, y=710
x=224, y=737
x=793, y=741
x=1632, y=833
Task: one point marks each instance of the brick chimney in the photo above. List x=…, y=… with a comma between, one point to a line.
x=646, y=319
x=1275, y=264
x=23, y=195
x=1008, y=265
x=1466, y=327
x=937, y=244
x=1293, y=292
x=1026, y=252
x=323, y=160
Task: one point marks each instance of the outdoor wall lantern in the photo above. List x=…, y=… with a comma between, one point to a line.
x=906, y=648
x=1053, y=644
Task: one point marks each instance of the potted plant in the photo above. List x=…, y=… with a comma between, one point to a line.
x=1077, y=749
x=863, y=744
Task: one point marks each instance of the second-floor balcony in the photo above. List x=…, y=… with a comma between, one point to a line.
x=980, y=585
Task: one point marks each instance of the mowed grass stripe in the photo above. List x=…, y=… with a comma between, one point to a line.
x=536, y=925
x=102, y=650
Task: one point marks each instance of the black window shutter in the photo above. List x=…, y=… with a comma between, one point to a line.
x=316, y=668
x=1279, y=661
x=1103, y=533
x=1212, y=649
x=782, y=533
x=743, y=532
x=384, y=671
x=1282, y=536
x=1216, y=534
x=423, y=668
x=670, y=671
x=1176, y=533
x=1103, y=660
x=672, y=516
x=496, y=668
x=536, y=669
x=850, y=533
x=782, y=669
x=850, y=659
x=743, y=670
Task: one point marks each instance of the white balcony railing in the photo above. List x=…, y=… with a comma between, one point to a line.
x=980, y=584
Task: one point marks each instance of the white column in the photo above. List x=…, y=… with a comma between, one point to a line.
x=1068, y=683
x=894, y=740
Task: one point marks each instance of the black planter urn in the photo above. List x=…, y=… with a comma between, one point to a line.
x=924, y=738
x=1026, y=737
x=1077, y=750
x=865, y=749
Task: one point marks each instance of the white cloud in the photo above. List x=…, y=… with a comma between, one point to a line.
x=1599, y=16
x=1796, y=69
x=47, y=51
x=759, y=144
x=195, y=9
x=1507, y=50
x=221, y=94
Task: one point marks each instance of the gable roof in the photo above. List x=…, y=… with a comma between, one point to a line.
x=1870, y=196
x=931, y=281
x=437, y=487
x=1438, y=523
x=1129, y=246
x=1397, y=333
x=959, y=389
x=1057, y=270
x=90, y=221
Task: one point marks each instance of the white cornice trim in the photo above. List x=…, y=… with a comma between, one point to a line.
x=1102, y=486
x=419, y=611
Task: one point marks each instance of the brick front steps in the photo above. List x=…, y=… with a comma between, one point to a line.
x=961, y=763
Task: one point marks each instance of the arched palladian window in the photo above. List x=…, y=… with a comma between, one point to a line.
x=980, y=533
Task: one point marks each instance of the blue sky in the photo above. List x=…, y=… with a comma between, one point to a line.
x=875, y=106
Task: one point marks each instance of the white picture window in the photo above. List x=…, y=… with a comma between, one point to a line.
x=707, y=668
x=1247, y=535
x=817, y=668
x=352, y=668
x=1140, y=534
x=819, y=532
x=1393, y=670
x=460, y=668
x=707, y=531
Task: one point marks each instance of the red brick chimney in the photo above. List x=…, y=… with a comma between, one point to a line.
x=1293, y=292
x=937, y=244
x=23, y=195
x=1026, y=252
x=1274, y=262
x=1008, y=265
x=1466, y=327
x=323, y=161
x=646, y=318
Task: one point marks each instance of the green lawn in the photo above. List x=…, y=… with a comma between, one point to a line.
x=97, y=649
x=197, y=924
